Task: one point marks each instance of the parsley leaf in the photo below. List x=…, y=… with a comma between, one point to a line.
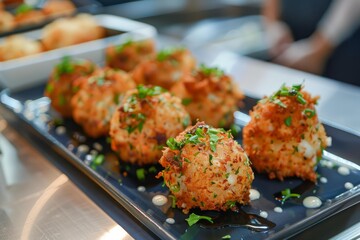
x=211, y=71
x=286, y=194
x=194, y=218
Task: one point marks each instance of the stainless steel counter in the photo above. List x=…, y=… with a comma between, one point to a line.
x=44, y=197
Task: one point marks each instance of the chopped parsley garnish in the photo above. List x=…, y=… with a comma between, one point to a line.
x=121, y=47
x=65, y=66
x=23, y=8
x=138, y=119
x=210, y=159
x=235, y=129
x=194, y=218
x=152, y=169
x=294, y=90
x=309, y=113
x=186, y=121
x=116, y=98
x=226, y=237
x=230, y=204
x=140, y=174
x=287, y=121
x=173, y=201
x=286, y=194
x=186, y=101
x=194, y=138
x=165, y=53
x=49, y=88
x=211, y=71
x=144, y=91
x=98, y=161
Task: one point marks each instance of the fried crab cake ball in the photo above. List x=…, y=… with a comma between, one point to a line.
x=97, y=99
x=146, y=118
x=205, y=168
x=209, y=95
x=62, y=85
x=129, y=54
x=167, y=68
x=69, y=31
x=285, y=137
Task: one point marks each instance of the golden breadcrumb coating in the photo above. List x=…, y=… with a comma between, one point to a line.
x=209, y=95
x=17, y=46
x=285, y=137
x=61, y=85
x=167, y=68
x=69, y=31
x=146, y=118
x=97, y=99
x=129, y=54
x=205, y=168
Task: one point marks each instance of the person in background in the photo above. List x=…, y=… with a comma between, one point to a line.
x=316, y=36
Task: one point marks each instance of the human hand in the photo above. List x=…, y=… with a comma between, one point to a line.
x=308, y=55
x=278, y=36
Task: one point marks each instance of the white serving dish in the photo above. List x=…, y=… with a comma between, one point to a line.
x=19, y=73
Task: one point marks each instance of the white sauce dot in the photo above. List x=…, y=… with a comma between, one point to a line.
x=141, y=188
x=231, y=179
x=60, y=130
x=323, y=180
x=83, y=148
x=348, y=185
x=343, y=170
x=159, y=200
x=254, y=194
x=170, y=220
x=312, y=202
x=278, y=209
x=98, y=146
x=263, y=214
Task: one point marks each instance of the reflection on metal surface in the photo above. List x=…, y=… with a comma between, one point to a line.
x=38, y=206
x=37, y=201
x=116, y=233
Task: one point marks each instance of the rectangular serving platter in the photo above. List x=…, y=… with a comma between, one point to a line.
x=32, y=109
x=37, y=67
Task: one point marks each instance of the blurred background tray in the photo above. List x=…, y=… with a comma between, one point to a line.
x=26, y=71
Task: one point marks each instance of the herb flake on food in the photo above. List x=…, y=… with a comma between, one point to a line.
x=287, y=194
x=288, y=121
x=186, y=101
x=140, y=174
x=211, y=71
x=226, y=237
x=194, y=218
x=98, y=161
x=309, y=113
x=23, y=8
x=65, y=66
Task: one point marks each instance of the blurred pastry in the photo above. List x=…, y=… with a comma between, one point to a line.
x=17, y=46
x=69, y=31
x=56, y=8
x=7, y=21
